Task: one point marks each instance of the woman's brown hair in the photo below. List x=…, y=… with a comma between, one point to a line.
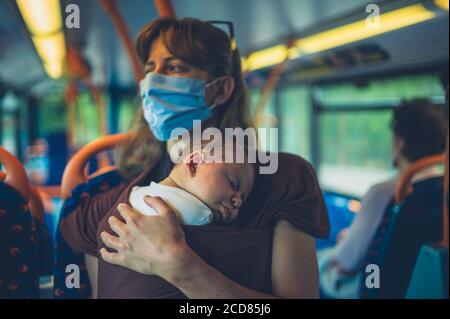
x=203, y=46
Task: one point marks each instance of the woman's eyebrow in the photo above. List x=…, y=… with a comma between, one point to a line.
x=166, y=60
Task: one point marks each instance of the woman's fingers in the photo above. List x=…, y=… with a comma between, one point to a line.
x=117, y=226
x=127, y=213
x=160, y=206
x=112, y=241
x=112, y=258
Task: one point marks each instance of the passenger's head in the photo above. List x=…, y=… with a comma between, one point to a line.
x=195, y=49
x=222, y=186
x=419, y=130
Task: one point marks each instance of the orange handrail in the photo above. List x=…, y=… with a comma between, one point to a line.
x=36, y=205
x=165, y=8
x=15, y=175
x=110, y=6
x=446, y=217
x=74, y=172
x=270, y=85
x=404, y=184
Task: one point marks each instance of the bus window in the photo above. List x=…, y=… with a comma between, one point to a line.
x=12, y=133
x=355, y=150
x=52, y=114
x=355, y=139
x=267, y=121
x=295, y=125
x=86, y=121
x=8, y=134
x=383, y=92
x=128, y=106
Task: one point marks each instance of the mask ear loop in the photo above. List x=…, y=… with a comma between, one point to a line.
x=196, y=157
x=212, y=107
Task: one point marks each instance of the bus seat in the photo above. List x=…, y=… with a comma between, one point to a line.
x=413, y=219
x=18, y=249
x=15, y=175
x=74, y=172
x=430, y=276
x=75, y=188
x=43, y=238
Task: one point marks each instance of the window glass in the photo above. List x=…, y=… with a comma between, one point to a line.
x=295, y=119
x=385, y=92
x=267, y=124
x=356, y=150
x=355, y=145
x=87, y=126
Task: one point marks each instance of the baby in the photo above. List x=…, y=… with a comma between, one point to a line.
x=200, y=191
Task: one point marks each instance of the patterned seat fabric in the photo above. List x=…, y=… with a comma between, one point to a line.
x=45, y=248
x=18, y=247
x=64, y=254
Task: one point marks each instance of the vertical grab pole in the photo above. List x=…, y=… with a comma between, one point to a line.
x=445, y=217
x=445, y=231
x=165, y=8
x=270, y=85
x=110, y=6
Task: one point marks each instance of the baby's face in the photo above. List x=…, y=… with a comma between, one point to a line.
x=223, y=188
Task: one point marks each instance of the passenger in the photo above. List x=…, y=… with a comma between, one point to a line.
x=419, y=130
x=267, y=251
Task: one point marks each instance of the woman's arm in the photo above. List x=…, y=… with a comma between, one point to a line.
x=155, y=245
x=79, y=228
x=92, y=270
x=294, y=271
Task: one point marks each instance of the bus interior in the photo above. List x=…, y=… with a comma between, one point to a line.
x=327, y=74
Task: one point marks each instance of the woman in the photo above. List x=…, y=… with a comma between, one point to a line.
x=267, y=252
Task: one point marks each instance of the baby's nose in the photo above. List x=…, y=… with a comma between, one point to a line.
x=237, y=200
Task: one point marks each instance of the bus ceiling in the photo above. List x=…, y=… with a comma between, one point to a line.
x=325, y=36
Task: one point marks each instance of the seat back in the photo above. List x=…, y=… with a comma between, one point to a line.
x=76, y=188
x=412, y=220
x=18, y=249
x=43, y=237
x=430, y=277
x=74, y=173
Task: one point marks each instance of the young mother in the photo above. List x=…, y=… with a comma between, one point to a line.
x=267, y=252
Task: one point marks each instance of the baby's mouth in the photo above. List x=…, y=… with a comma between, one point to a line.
x=225, y=213
x=221, y=214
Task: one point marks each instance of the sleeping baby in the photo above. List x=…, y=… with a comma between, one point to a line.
x=199, y=191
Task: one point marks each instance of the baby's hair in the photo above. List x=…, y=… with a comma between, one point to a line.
x=214, y=150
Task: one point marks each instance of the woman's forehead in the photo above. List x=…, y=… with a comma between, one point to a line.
x=159, y=50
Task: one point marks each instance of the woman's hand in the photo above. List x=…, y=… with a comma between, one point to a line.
x=150, y=245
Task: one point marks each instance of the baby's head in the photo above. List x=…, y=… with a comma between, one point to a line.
x=222, y=186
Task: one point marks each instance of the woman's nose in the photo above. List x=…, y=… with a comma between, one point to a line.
x=159, y=69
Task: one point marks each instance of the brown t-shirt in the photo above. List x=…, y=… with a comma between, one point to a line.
x=242, y=251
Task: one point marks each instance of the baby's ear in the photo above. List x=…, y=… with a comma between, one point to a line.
x=193, y=161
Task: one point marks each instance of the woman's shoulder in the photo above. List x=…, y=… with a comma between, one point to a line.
x=292, y=193
x=289, y=167
x=290, y=160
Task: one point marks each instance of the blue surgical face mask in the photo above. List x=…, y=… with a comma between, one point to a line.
x=173, y=102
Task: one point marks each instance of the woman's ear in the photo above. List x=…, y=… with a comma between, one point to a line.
x=223, y=90
x=193, y=161
x=399, y=144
